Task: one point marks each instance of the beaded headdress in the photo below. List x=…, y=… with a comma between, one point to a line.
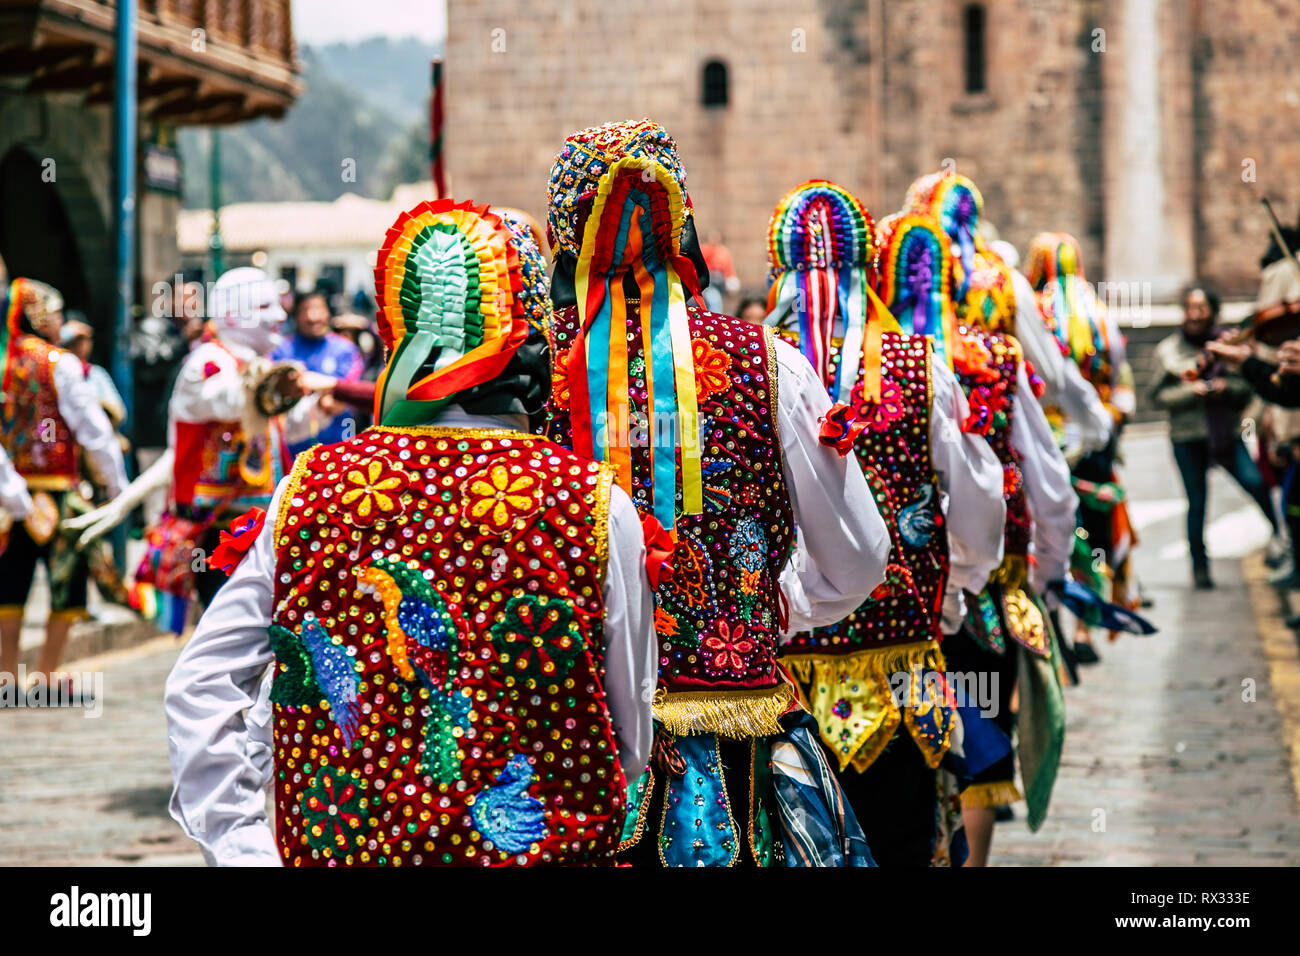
x=452, y=306
x=821, y=250
x=634, y=228
x=24, y=297
x=956, y=204
x=1054, y=268
x=915, y=266
x=585, y=158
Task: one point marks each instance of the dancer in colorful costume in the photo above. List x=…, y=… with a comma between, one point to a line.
x=227, y=447
x=939, y=490
x=1092, y=339
x=712, y=426
x=916, y=267
x=458, y=610
x=52, y=424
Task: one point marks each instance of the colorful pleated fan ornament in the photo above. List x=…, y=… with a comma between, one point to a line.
x=955, y=202
x=635, y=228
x=451, y=307
x=821, y=249
x=1054, y=268
x=915, y=266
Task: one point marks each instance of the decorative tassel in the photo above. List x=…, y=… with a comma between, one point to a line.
x=736, y=714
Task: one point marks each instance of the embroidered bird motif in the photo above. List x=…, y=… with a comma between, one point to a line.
x=917, y=521
x=506, y=813
x=314, y=667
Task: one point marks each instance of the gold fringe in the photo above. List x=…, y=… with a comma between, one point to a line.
x=736, y=714
x=49, y=482
x=990, y=794
x=1011, y=573
x=859, y=664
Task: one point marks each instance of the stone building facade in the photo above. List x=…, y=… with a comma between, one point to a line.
x=1148, y=128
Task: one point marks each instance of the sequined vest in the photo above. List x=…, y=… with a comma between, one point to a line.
x=207, y=472
x=36, y=437
x=894, y=451
x=717, y=612
x=990, y=384
x=438, y=634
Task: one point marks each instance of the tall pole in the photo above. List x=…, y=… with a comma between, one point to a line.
x=436, y=121
x=216, y=245
x=124, y=131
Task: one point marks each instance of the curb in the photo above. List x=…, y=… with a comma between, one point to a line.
x=89, y=638
x=1282, y=651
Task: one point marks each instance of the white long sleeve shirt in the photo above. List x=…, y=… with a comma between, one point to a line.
x=843, y=543
x=1049, y=494
x=79, y=406
x=14, y=497
x=970, y=477
x=219, y=732
x=1087, y=423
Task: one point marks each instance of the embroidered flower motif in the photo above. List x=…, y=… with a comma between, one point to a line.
x=499, y=494
x=879, y=415
x=560, y=382
x=537, y=639
x=728, y=650
x=235, y=543
x=371, y=491
x=973, y=360
x=842, y=708
x=1012, y=480
x=711, y=367
x=333, y=808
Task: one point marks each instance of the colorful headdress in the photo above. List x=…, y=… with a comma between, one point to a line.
x=915, y=265
x=953, y=200
x=452, y=307
x=635, y=227
x=24, y=297
x=536, y=290
x=991, y=299
x=821, y=250
x=585, y=158
x=1054, y=268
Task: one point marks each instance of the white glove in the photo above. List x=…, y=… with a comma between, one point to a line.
x=106, y=517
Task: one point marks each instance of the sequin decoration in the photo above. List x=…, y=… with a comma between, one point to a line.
x=35, y=435
x=459, y=758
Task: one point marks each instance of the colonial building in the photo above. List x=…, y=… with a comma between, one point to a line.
x=1148, y=128
x=200, y=62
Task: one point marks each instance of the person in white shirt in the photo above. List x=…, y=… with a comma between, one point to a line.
x=506, y=691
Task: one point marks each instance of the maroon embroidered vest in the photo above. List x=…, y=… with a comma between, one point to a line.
x=36, y=437
x=717, y=612
x=987, y=373
x=438, y=635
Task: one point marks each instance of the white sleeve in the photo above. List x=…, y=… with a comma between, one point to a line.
x=631, y=646
x=90, y=427
x=217, y=739
x=209, y=387
x=1088, y=424
x=843, y=544
x=1038, y=342
x=14, y=496
x=970, y=477
x=1051, y=499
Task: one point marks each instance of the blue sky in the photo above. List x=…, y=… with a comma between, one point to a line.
x=332, y=21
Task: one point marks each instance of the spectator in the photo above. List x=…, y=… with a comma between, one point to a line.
x=320, y=350
x=752, y=310
x=1204, y=403
x=79, y=339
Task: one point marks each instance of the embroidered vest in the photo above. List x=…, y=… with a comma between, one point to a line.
x=717, y=611
x=438, y=634
x=847, y=670
x=38, y=440
x=988, y=374
x=207, y=472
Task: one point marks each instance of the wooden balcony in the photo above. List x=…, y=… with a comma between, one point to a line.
x=200, y=61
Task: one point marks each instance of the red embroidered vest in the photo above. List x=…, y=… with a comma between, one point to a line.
x=717, y=612
x=36, y=437
x=847, y=671
x=207, y=475
x=989, y=379
x=438, y=634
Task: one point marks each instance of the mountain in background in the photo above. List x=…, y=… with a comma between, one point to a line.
x=367, y=102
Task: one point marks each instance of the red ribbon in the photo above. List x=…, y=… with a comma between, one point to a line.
x=231, y=548
x=659, y=547
x=840, y=428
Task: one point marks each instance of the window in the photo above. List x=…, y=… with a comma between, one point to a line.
x=973, y=23
x=713, y=91
x=290, y=275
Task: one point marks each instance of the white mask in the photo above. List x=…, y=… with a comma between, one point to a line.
x=246, y=310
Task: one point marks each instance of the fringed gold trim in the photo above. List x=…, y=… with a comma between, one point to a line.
x=1011, y=573
x=899, y=657
x=49, y=482
x=600, y=510
x=990, y=794
x=736, y=714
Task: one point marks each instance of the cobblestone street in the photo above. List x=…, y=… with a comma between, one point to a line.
x=1164, y=762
